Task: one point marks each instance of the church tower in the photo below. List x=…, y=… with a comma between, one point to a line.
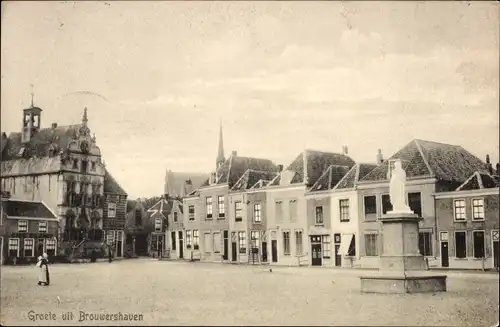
x=220, y=152
x=31, y=120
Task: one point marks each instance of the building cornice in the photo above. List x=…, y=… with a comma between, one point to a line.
x=365, y=185
x=460, y=194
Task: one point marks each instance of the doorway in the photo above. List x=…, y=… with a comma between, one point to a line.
x=316, y=254
x=264, y=251
x=445, y=261
x=40, y=249
x=338, y=256
x=234, y=252
x=181, y=246
x=225, y=255
x=274, y=250
x=495, y=254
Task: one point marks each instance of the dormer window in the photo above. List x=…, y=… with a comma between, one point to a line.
x=213, y=178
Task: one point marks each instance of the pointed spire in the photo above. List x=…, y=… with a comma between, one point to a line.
x=85, y=119
x=220, y=152
x=32, y=95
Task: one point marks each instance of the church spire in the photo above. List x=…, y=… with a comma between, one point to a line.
x=220, y=152
x=84, y=118
x=32, y=95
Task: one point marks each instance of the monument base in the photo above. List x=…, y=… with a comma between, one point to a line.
x=401, y=284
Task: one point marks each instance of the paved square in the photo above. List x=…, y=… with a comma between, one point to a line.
x=179, y=293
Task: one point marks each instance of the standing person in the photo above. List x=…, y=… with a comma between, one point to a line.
x=110, y=258
x=43, y=275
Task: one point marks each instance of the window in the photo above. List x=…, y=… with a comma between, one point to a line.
x=425, y=243
x=138, y=217
x=351, y=252
x=344, y=210
x=29, y=247
x=42, y=227
x=459, y=209
x=370, y=203
x=176, y=216
x=50, y=246
x=222, y=207
x=254, y=239
x=237, y=211
x=478, y=243
x=110, y=237
x=22, y=226
x=298, y=242
x=84, y=166
x=174, y=242
x=279, y=211
x=208, y=205
x=386, y=203
x=319, y=215
x=242, y=239
x=191, y=213
x=478, y=209
x=371, y=246
x=286, y=243
x=415, y=203
x=327, y=249
x=189, y=240
x=207, y=242
x=196, y=239
x=13, y=247
x=111, y=210
x=93, y=166
x=75, y=164
x=293, y=210
x=158, y=224
x=461, y=245
x=257, y=213
x=217, y=242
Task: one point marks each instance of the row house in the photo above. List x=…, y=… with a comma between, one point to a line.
x=247, y=217
x=165, y=216
x=27, y=230
x=295, y=238
x=61, y=166
x=431, y=168
x=468, y=225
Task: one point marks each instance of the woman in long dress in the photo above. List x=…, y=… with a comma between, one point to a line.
x=43, y=274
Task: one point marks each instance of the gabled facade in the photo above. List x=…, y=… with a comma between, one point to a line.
x=161, y=217
x=431, y=167
x=292, y=240
x=137, y=229
x=468, y=225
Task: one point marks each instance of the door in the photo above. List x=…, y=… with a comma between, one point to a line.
x=444, y=255
x=40, y=249
x=495, y=254
x=264, y=251
x=181, y=246
x=234, y=252
x=119, y=244
x=316, y=255
x=338, y=256
x=226, y=246
x=274, y=250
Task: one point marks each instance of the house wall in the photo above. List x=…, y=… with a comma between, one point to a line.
x=174, y=226
x=347, y=228
x=276, y=228
x=117, y=223
x=372, y=225
x=314, y=201
x=446, y=223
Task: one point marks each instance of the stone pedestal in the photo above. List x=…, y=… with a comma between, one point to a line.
x=402, y=269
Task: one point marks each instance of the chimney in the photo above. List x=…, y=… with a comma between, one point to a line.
x=380, y=158
x=234, y=153
x=345, y=150
x=280, y=168
x=489, y=166
x=188, y=186
x=54, y=125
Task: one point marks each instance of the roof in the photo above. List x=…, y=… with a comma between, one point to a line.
x=111, y=185
x=176, y=182
x=332, y=175
x=234, y=167
x=312, y=164
x=356, y=173
x=28, y=209
x=251, y=179
x=479, y=181
x=59, y=137
x=164, y=207
x=3, y=142
x=43, y=165
x=423, y=159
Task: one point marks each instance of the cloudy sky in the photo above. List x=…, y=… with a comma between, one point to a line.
x=282, y=76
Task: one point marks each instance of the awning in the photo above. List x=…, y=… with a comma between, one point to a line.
x=318, y=230
x=345, y=243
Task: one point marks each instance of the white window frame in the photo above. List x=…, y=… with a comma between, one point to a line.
x=157, y=222
x=316, y=222
x=209, y=208
x=364, y=206
x=196, y=239
x=189, y=239
x=455, y=210
x=45, y=244
x=255, y=236
x=221, y=206
x=431, y=245
x=285, y=253
x=257, y=213
x=111, y=209
x=442, y=238
x=293, y=207
x=238, y=212
x=32, y=246
x=191, y=214
x=455, y=243
x=278, y=204
x=299, y=250
x=472, y=209
x=219, y=246
x=343, y=220
x=175, y=217
x=242, y=241
x=19, y=226
x=41, y=224
x=474, y=244
x=18, y=245
x=377, y=243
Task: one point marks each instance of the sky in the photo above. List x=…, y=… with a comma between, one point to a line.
x=158, y=78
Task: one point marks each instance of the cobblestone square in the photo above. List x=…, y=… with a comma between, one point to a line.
x=180, y=293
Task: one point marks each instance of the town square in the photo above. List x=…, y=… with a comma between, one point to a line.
x=250, y=163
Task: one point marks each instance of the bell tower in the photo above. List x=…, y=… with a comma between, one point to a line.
x=31, y=120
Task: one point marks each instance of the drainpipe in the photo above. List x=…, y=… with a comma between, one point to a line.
x=436, y=236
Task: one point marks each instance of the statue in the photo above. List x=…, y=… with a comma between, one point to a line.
x=397, y=189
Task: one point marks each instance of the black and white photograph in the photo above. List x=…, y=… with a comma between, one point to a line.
x=249, y=163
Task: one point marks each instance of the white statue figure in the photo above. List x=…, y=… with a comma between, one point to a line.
x=397, y=189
